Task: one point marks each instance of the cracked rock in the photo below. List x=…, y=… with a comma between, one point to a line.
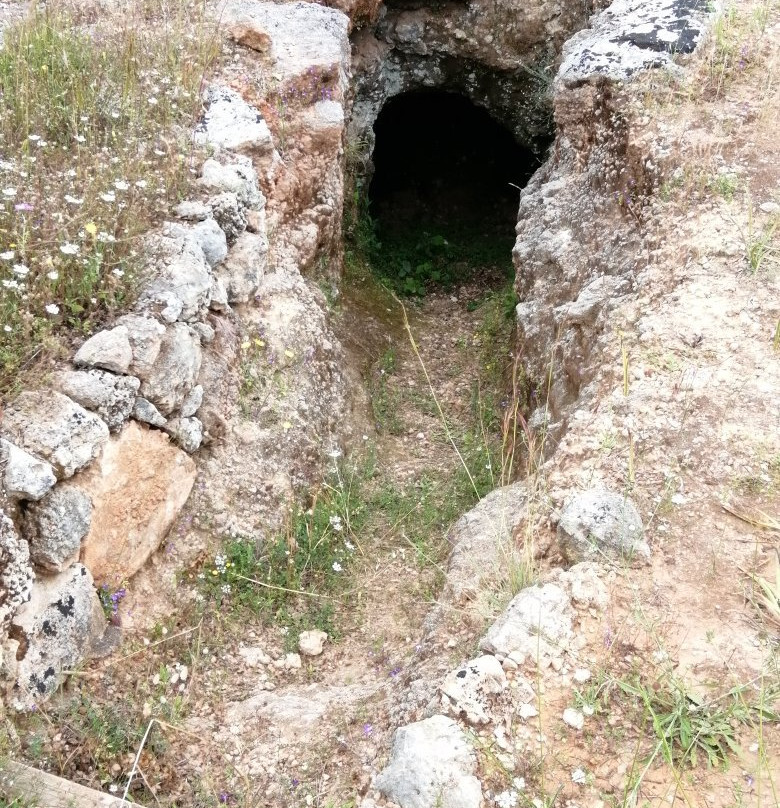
x=469, y=690
x=24, y=476
x=109, y=350
x=111, y=396
x=56, y=525
x=176, y=370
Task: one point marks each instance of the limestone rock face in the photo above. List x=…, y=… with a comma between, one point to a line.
x=181, y=280
x=137, y=489
x=244, y=268
x=537, y=623
x=16, y=574
x=59, y=625
x=212, y=241
x=176, y=370
x=53, y=426
x=468, y=691
x=109, y=350
x=602, y=525
x=231, y=123
x=431, y=764
x=145, y=335
x=56, y=525
x=111, y=396
x=24, y=476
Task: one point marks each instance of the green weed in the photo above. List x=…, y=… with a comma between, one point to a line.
x=94, y=130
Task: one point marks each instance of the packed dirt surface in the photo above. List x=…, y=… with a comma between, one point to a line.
x=684, y=418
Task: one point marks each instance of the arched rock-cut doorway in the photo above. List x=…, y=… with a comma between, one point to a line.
x=444, y=164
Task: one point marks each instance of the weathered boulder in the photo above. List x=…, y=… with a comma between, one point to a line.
x=192, y=402
x=137, y=489
x=56, y=525
x=212, y=241
x=192, y=211
x=180, y=276
x=537, y=624
x=243, y=271
x=470, y=690
x=53, y=426
x=187, y=432
x=236, y=176
x=111, y=396
x=601, y=525
x=431, y=764
x=310, y=643
x=109, y=350
x=145, y=412
x=229, y=214
x=145, y=335
x=16, y=574
x=230, y=123
x=24, y=476
x=176, y=370
x=57, y=627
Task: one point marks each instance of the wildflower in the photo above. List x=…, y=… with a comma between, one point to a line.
x=90, y=228
x=220, y=562
x=21, y=270
x=335, y=454
x=52, y=309
x=23, y=207
x=506, y=799
x=117, y=272
x=348, y=544
x=337, y=567
x=368, y=729
x=34, y=138
x=69, y=248
x=53, y=275
x=109, y=196
x=152, y=100
x=9, y=192
x=8, y=255
x=336, y=524
x=141, y=183
x=121, y=185
x=10, y=284
x=80, y=139
x=7, y=329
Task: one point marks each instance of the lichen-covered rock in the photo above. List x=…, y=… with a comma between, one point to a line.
x=111, y=396
x=192, y=211
x=137, y=488
x=176, y=369
x=16, y=574
x=55, y=527
x=145, y=335
x=633, y=35
x=431, y=763
x=470, y=690
x=109, y=350
x=230, y=123
x=53, y=426
x=212, y=241
x=187, y=432
x=601, y=525
x=236, y=176
x=24, y=476
x=180, y=276
x=229, y=214
x=242, y=272
x=58, y=625
x=147, y=413
x=537, y=624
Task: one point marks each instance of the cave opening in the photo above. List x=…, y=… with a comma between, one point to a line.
x=445, y=190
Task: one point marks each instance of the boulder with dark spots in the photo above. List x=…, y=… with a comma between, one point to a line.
x=145, y=335
x=53, y=633
x=56, y=525
x=52, y=426
x=16, y=574
x=24, y=476
x=111, y=396
x=602, y=526
x=243, y=270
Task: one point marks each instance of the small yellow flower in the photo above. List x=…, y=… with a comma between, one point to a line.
x=289, y=354
x=91, y=228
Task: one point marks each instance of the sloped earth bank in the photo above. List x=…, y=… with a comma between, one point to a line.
x=676, y=406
